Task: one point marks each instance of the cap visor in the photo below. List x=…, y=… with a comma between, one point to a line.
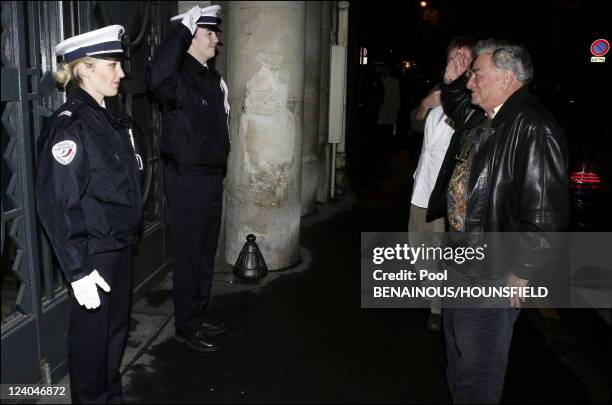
x=210, y=27
x=111, y=56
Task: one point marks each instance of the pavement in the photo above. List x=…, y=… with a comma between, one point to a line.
x=300, y=336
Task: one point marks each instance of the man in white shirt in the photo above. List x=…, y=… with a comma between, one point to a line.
x=438, y=129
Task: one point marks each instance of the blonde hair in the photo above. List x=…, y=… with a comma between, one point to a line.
x=68, y=72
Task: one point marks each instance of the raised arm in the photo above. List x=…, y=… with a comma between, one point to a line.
x=455, y=96
x=169, y=57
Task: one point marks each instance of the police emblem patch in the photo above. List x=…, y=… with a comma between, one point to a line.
x=64, y=151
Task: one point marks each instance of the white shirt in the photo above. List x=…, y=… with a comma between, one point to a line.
x=495, y=110
x=438, y=132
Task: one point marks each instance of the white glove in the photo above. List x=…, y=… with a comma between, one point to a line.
x=191, y=17
x=86, y=290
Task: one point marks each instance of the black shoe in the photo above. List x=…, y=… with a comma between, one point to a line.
x=211, y=327
x=197, y=341
x=434, y=323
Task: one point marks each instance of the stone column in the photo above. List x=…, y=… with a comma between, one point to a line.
x=266, y=82
x=184, y=6
x=312, y=83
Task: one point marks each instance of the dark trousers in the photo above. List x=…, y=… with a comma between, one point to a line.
x=96, y=338
x=195, y=204
x=477, y=344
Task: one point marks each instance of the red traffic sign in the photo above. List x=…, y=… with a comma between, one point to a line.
x=600, y=47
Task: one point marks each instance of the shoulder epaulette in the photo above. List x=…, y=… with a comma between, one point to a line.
x=69, y=108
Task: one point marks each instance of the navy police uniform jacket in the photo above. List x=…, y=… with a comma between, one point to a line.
x=195, y=137
x=88, y=182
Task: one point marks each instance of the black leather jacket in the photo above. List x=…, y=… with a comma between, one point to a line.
x=195, y=134
x=519, y=180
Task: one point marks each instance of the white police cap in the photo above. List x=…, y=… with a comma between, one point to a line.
x=103, y=43
x=209, y=19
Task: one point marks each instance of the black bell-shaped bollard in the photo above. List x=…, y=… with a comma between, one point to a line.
x=250, y=265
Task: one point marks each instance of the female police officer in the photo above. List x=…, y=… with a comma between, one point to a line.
x=89, y=202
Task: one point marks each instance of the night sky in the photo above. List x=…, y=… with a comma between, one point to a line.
x=557, y=33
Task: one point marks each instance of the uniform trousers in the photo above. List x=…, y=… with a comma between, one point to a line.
x=96, y=337
x=195, y=207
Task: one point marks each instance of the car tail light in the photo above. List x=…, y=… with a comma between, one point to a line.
x=586, y=176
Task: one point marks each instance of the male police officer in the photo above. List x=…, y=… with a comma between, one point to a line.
x=195, y=144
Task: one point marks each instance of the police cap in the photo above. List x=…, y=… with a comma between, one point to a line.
x=103, y=43
x=209, y=19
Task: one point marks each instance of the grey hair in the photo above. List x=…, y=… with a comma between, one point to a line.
x=508, y=56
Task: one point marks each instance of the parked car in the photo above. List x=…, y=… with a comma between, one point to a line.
x=589, y=190
x=584, y=113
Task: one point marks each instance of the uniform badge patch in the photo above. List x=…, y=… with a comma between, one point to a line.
x=64, y=151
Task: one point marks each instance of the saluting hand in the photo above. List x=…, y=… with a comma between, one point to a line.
x=86, y=290
x=457, y=65
x=191, y=17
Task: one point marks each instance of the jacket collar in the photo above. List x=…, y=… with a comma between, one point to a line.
x=117, y=118
x=197, y=67
x=512, y=104
x=82, y=95
x=195, y=64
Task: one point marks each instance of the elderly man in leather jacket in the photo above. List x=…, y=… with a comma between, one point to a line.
x=505, y=171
